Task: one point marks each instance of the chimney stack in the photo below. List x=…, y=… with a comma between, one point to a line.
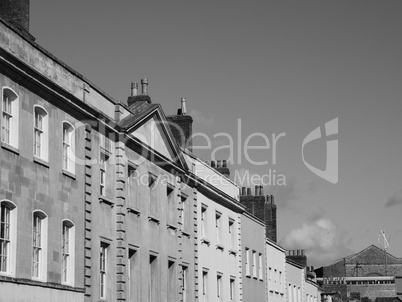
x=135, y=97
x=16, y=12
x=221, y=167
x=297, y=256
x=181, y=126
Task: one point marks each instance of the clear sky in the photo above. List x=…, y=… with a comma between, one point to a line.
x=278, y=66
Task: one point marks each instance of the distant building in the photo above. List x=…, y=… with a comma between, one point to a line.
x=371, y=273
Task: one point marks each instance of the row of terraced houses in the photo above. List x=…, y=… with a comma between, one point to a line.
x=103, y=200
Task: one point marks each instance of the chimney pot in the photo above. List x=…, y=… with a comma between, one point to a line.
x=224, y=164
x=144, y=86
x=249, y=192
x=261, y=191
x=183, y=106
x=218, y=164
x=256, y=189
x=212, y=163
x=134, y=89
x=243, y=191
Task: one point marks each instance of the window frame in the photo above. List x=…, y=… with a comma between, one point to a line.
x=218, y=227
x=185, y=281
x=103, y=158
x=68, y=257
x=103, y=269
x=232, y=233
x=8, y=244
x=219, y=289
x=68, y=142
x=204, y=221
x=11, y=116
x=232, y=289
x=41, y=148
x=205, y=285
x=247, y=262
x=39, y=263
x=254, y=264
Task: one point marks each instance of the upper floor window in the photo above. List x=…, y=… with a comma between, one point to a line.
x=68, y=147
x=102, y=172
x=218, y=226
x=185, y=213
x=39, y=245
x=68, y=249
x=8, y=220
x=9, y=125
x=232, y=234
x=154, y=277
x=204, y=222
x=260, y=272
x=153, y=195
x=247, y=262
x=103, y=268
x=41, y=133
x=185, y=282
x=204, y=286
x=171, y=205
x=232, y=290
x=219, y=287
x=254, y=264
x=132, y=186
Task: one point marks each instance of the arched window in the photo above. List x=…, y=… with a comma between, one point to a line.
x=41, y=133
x=8, y=236
x=10, y=112
x=68, y=147
x=39, y=246
x=68, y=253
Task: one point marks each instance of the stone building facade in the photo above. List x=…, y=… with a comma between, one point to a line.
x=102, y=200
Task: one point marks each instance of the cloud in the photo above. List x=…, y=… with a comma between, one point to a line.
x=200, y=118
x=323, y=242
x=394, y=200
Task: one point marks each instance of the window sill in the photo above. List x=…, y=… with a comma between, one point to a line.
x=184, y=233
x=232, y=252
x=10, y=148
x=220, y=247
x=107, y=201
x=68, y=174
x=41, y=162
x=172, y=226
x=35, y=282
x=42, y=280
x=153, y=219
x=6, y=274
x=134, y=211
x=205, y=241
